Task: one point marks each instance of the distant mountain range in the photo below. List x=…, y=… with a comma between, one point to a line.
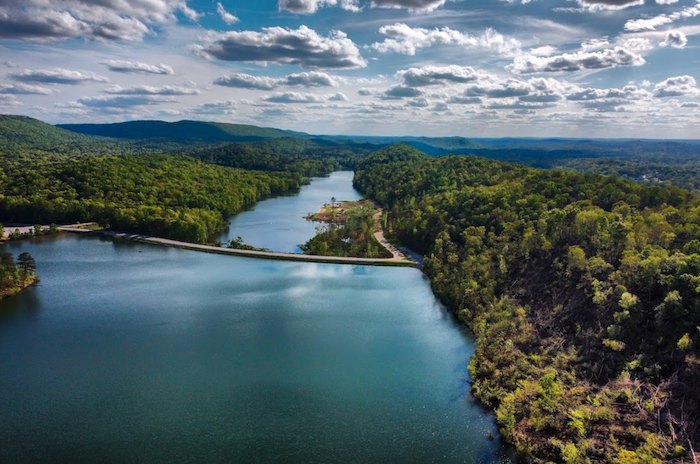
x=160, y=135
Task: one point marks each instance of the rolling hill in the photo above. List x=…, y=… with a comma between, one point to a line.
x=180, y=131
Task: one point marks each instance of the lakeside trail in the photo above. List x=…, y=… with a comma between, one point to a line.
x=379, y=236
x=397, y=259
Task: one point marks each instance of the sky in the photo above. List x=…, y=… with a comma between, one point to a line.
x=475, y=68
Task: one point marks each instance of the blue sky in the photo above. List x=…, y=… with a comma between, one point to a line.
x=590, y=68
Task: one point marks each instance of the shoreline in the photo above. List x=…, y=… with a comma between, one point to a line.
x=8, y=293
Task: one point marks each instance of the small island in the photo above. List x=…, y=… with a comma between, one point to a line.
x=349, y=228
x=16, y=276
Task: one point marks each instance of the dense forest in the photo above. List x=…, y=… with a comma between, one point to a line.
x=283, y=154
x=678, y=171
x=165, y=195
x=16, y=276
x=49, y=174
x=583, y=292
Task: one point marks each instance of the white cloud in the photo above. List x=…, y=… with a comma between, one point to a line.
x=411, y=5
x=676, y=87
x=433, y=75
x=247, y=81
x=675, y=39
x=404, y=39
x=311, y=6
x=545, y=50
x=225, y=16
x=294, y=97
x=102, y=20
x=310, y=79
x=137, y=67
x=576, y=61
x=57, y=76
x=602, y=5
x=24, y=89
x=629, y=92
x=338, y=97
x=303, y=79
x=153, y=90
x=650, y=24
x=636, y=44
x=302, y=46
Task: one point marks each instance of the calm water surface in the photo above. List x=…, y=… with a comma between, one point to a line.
x=134, y=353
x=278, y=224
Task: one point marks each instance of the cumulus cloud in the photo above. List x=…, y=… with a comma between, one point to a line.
x=504, y=89
x=401, y=91
x=597, y=5
x=404, y=39
x=57, y=76
x=677, y=87
x=338, y=97
x=127, y=20
x=303, y=79
x=412, y=5
x=433, y=75
x=636, y=44
x=545, y=50
x=137, y=67
x=577, y=61
x=675, y=39
x=247, y=81
x=153, y=90
x=24, y=89
x=301, y=46
x=311, y=6
x=293, y=97
x=650, y=24
x=310, y=79
x=629, y=92
x=225, y=16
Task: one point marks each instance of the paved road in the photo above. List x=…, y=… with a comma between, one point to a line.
x=402, y=261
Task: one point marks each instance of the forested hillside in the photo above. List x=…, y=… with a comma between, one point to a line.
x=181, y=131
x=285, y=154
x=163, y=195
x=48, y=174
x=583, y=292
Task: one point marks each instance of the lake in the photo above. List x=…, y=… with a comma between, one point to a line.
x=278, y=223
x=128, y=352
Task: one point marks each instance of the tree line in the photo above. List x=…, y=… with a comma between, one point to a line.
x=164, y=195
